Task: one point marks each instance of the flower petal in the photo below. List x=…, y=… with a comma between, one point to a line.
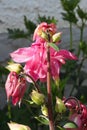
x=22, y=54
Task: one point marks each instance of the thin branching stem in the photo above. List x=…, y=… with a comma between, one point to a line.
x=28, y=76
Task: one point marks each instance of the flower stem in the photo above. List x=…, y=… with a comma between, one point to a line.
x=71, y=36
x=50, y=111
x=35, y=84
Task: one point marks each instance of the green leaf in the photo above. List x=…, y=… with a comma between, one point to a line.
x=70, y=17
x=69, y=5
x=29, y=102
x=16, y=33
x=54, y=46
x=70, y=125
x=60, y=128
x=46, y=19
x=30, y=26
x=81, y=13
x=43, y=120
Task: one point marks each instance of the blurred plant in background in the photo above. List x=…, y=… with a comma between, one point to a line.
x=76, y=17
x=29, y=27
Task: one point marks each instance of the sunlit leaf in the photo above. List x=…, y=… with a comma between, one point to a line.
x=29, y=102
x=42, y=119
x=70, y=125
x=60, y=128
x=54, y=46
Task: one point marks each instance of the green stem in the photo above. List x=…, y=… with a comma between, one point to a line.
x=81, y=37
x=77, y=83
x=9, y=111
x=70, y=36
x=35, y=84
x=81, y=34
x=79, y=70
x=50, y=111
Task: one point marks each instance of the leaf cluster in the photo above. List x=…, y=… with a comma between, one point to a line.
x=69, y=7
x=46, y=19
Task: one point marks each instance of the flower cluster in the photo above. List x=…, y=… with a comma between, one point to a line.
x=35, y=59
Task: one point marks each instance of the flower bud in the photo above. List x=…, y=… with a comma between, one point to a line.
x=16, y=126
x=14, y=67
x=37, y=97
x=44, y=110
x=44, y=36
x=60, y=106
x=57, y=81
x=56, y=37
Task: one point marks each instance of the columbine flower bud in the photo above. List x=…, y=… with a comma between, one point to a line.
x=44, y=36
x=57, y=81
x=44, y=110
x=16, y=126
x=14, y=67
x=37, y=97
x=60, y=106
x=56, y=37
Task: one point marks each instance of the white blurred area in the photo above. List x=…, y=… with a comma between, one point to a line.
x=12, y=12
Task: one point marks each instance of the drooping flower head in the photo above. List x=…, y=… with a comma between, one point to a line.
x=15, y=87
x=44, y=27
x=78, y=113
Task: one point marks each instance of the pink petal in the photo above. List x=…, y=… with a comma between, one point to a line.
x=22, y=54
x=67, y=54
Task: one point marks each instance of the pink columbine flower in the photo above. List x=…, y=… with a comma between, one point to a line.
x=15, y=87
x=78, y=114
x=36, y=62
x=80, y=118
x=35, y=57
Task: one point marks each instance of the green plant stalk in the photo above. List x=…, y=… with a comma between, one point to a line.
x=71, y=36
x=50, y=111
x=79, y=70
x=76, y=83
x=9, y=111
x=81, y=36
x=35, y=84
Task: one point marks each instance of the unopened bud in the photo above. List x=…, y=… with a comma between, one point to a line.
x=16, y=126
x=60, y=106
x=37, y=97
x=44, y=36
x=14, y=67
x=44, y=110
x=56, y=37
x=57, y=81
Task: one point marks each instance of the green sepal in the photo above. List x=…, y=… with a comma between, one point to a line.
x=43, y=120
x=54, y=46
